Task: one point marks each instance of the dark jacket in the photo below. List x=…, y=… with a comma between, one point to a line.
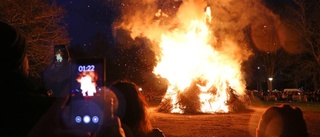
x=22, y=105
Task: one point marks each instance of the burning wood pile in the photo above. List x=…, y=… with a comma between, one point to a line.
x=194, y=101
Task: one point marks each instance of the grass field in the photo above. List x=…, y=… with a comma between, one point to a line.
x=240, y=124
x=310, y=106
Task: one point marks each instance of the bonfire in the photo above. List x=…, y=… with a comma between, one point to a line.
x=202, y=79
x=203, y=70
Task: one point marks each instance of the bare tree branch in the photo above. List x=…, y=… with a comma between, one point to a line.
x=42, y=24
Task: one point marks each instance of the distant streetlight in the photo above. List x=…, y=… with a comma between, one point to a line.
x=258, y=80
x=270, y=84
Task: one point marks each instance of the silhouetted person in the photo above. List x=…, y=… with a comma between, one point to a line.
x=133, y=110
x=22, y=104
x=56, y=76
x=25, y=112
x=282, y=121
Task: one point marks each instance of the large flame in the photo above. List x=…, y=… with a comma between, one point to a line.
x=87, y=80
x=199, y=49
x=187, y=55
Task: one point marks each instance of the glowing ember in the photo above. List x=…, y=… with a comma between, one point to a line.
x=88, y=80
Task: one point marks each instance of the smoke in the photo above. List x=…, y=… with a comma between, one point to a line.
x=291, y=40
x=151, y=18
x=264, y=33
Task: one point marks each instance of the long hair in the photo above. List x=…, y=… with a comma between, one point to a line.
x=135, y=114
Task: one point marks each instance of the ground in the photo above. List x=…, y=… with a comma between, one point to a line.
x=240, y=124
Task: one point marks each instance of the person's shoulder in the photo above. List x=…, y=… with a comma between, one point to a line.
x=156, y=132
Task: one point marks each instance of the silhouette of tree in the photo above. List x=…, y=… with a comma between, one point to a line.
x=300, y=37
x=287, y=43
x=270, y=56
x=306, y=22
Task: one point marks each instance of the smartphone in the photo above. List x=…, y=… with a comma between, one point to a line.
x=61, y=53
x=87, y=89
x=88, y=76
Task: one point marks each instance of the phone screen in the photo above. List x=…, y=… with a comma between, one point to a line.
x=60, y=53
x=87, y=76
x=86, y=92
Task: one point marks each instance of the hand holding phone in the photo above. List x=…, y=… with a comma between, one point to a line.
x=91, y=102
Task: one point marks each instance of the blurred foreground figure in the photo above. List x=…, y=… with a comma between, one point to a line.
x=14, y=62
x=282, y=121
x=22, y=103
x=133, y=110
x=25, y=111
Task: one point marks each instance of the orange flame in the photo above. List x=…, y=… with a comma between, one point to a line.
x=187, y=55
x=58, y=56
x=88, y=79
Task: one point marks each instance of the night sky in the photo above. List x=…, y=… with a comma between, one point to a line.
x=88, y=17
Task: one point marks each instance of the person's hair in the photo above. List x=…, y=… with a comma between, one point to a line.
x=135, y=113
x=282, y=121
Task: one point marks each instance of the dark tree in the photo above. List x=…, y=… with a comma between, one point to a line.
x=300, y=37
x=307, y=24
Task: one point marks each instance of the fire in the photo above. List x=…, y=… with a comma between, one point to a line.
x=187, y=56
x=88, y=79
x=199, y=50
x=59, y=56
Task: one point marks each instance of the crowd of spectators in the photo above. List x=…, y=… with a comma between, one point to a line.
x=286, y=96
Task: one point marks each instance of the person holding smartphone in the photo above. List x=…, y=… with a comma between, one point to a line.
x=54, y=123
x=20, y=101
x=25, y=113
x=133, y=110
x=56, y=76
x=87, y=106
